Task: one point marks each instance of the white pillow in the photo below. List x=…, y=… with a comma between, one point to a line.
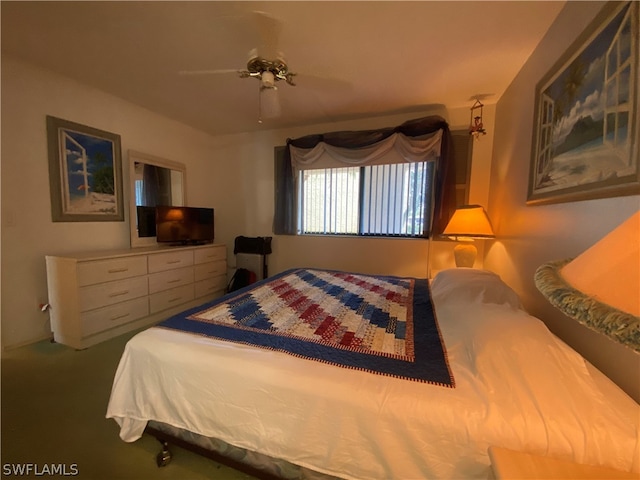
x=472, y=285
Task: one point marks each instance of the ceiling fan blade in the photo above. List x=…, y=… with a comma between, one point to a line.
x=208, y=72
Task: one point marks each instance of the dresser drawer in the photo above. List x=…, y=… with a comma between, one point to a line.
x=210, y=254
x=112, y=316
x=170, y=298
x=210, y=285
x=98, y=271
x=170, y=279
x=211, y=269
x=167, y=261
x=96, y=296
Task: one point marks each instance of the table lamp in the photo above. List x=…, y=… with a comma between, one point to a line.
x=467, y=223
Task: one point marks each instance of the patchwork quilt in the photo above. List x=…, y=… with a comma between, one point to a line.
x=380, y=324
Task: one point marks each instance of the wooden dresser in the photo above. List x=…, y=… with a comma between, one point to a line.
x=96, y=296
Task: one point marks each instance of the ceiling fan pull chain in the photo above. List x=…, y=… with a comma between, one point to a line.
x=259, y=103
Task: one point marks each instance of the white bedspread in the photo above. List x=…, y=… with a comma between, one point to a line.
x=517, y=386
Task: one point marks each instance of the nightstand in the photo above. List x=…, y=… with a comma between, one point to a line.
x=509, y=464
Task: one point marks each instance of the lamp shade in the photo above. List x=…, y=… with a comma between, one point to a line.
x=175, y=214
x=599, y=288
x=609, y=270
x=469, y=221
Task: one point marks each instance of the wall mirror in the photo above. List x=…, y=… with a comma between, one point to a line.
x=154, y=181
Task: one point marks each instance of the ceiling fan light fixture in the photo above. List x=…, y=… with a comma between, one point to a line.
x=268, y=79
x=269, y=103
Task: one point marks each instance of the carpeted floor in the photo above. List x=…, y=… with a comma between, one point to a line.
x=54, y=400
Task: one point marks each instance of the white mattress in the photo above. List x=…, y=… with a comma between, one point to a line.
x=517, y=386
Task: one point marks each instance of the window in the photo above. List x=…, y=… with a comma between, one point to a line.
x=139, y=188
x=383, y=200
x=373, y=198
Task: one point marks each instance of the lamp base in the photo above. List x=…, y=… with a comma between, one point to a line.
x=465, y=254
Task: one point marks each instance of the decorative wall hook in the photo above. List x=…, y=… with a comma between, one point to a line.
x=476, y=127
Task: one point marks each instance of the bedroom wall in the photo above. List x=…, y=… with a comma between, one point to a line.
x=233, y=174
x=528, y=236
x=28, y=234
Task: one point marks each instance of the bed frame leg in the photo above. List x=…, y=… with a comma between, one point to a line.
x=164, y=457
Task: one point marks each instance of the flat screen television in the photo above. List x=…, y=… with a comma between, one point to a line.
x=184, y=225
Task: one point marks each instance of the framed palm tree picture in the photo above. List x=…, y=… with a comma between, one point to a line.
x=85, y=173
x=585, y=137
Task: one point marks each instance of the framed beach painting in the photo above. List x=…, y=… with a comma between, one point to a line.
x=85, y=173
x=585, y=136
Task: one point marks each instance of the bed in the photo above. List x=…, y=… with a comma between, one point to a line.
x=293, y=407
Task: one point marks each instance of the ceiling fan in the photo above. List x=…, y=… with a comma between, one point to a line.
x=268, y=71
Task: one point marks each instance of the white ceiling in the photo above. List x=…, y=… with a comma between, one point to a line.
x=353, y=59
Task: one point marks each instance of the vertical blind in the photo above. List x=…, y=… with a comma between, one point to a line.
x=329, y=200
x=389, y=200
x=395, y=199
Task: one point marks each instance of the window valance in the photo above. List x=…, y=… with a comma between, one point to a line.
x=396, y=148
x=415, y=135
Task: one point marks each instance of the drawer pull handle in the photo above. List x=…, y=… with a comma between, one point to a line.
x=118, y=317
x=175, y=280
x=173, y=261
x=174, y=299
x=118, y=270
x=118, y=294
